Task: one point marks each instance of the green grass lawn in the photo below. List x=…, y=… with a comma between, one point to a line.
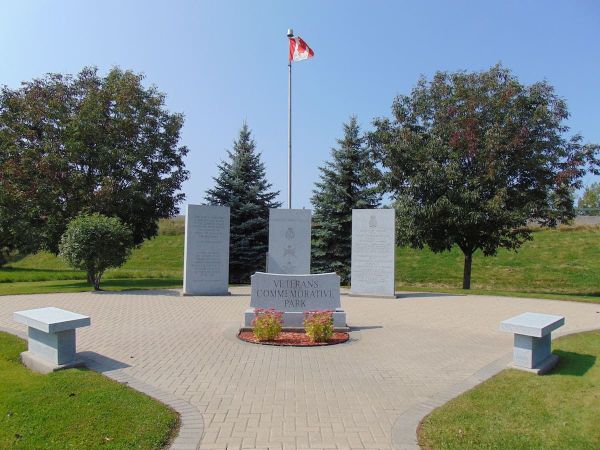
x=561, y=264
x=157, y=264
x=520, y=410
x=161, y=257
x=74, y=408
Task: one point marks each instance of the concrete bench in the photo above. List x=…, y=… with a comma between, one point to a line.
x=533, y=339
x=51, y=338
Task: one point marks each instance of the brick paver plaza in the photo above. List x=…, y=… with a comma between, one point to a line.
x=404, y=356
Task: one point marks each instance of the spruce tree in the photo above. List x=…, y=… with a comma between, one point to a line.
x=344, y=185
x=242, y=185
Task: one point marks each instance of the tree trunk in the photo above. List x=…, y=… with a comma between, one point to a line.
x=467, y=271
x=97, y=282
x=93, y=278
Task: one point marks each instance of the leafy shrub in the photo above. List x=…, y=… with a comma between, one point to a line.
x=94, y=243
x=267, y=324
x=319, y=325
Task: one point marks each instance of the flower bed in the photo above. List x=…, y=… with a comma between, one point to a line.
x=294, y=339
x=267, y=328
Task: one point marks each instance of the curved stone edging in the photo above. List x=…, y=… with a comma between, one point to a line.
x=404, y=430
x=191, y=427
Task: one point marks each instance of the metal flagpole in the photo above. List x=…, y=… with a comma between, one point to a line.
x=290, y=34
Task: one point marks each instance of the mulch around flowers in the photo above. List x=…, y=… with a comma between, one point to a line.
x=294, y=339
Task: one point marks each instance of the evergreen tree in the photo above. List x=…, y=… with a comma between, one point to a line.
x=242, y=185
x=344, y=185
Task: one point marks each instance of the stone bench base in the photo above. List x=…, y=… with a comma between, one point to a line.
x=293, y=321
x=542, y=368
x=41, y=365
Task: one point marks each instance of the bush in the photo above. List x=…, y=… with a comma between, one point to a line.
x=319, y=325
x=95, y=243
x=267, y=324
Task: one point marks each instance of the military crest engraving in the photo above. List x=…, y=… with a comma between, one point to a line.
x=289, y=241
x=373, y=222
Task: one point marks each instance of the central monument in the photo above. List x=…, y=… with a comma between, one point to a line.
x=288, y=286
x=289, y=241
x=294, y=295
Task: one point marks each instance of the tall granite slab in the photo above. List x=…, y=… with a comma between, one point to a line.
x=289, y=241
x=373, y=252
x=294, y=295
x=206, y=253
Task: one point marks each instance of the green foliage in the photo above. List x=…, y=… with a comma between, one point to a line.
x=519, y=410
x=344, y=185
x=267, y=324
x=591, y=199
x=74, y=409
x=84, y=144
x=471, y=157
x=318, y=325
x=94, y=243
x=242, y=185
x=563, y=263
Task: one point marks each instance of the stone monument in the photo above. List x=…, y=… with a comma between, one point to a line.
x=295, y=294
x=373, y=252
x=206, y=254
x=289, y=241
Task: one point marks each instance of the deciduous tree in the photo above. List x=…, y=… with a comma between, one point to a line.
x=83, y=144
x=471, y=157
x=95, y=243
x=591, y=199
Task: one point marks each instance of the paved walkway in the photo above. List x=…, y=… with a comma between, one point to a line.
x=406, y=356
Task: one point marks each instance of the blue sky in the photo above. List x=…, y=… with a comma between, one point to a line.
x=221, y=63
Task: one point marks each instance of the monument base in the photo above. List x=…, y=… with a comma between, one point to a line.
x=294, y=320
x=352, y=294
x=40, y=365
x=207, y=294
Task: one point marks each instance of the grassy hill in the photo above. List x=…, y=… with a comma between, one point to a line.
x=562, y=263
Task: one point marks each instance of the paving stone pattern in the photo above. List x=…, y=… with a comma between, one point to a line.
x=405, y=356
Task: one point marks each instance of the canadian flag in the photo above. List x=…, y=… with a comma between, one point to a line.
x=299, y=50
